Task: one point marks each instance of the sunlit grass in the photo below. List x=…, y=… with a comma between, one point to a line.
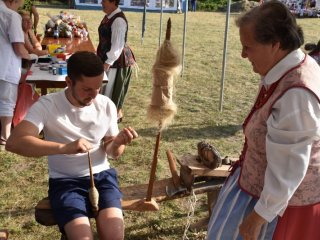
x=23, y=181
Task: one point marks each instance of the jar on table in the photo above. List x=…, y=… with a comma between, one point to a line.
x=54, y=70
x=56, y=31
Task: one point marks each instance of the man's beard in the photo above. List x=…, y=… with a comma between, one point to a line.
x=82, y=103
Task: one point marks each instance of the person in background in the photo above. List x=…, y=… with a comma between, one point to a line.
x=76, y=121
x=115, y=53
x=179, y=6
x=193, y=5
x=12, y=50
x=273, y=190
x=32, y=10
x=31, y=42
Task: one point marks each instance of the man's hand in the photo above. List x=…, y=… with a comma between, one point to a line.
x=114, y=146
x=125, y=136
x=251, y=226
x=79, y=146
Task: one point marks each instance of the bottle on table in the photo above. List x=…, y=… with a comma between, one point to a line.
x=56, y=31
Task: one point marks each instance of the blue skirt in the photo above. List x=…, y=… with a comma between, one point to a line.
x=232, y=207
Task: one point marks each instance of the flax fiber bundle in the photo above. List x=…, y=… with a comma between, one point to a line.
x=166, y=67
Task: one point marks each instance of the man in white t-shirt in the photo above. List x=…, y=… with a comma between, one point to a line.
x=75, y=121
x=11, y=51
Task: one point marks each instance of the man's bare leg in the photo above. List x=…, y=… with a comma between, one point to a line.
x=79, y=229
x=110, y=224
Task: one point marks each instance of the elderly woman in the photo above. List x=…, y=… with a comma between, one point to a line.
x=273, y=190
x=31, y=42
x=115, y=53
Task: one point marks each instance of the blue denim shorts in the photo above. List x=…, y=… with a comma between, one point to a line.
x=69, y=197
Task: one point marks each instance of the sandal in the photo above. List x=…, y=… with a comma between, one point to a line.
x=120, y=116
x=2, y=144
x=3, y=233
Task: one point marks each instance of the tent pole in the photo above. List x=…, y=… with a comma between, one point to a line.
x=160, y=31
x=224, y=55
x=184, y=35
x=144, y=20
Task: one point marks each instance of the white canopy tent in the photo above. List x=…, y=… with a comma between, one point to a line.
x=134, y=5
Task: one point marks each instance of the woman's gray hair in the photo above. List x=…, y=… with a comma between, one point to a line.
x=273, y=22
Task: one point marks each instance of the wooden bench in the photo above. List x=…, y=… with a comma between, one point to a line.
x=133, y=196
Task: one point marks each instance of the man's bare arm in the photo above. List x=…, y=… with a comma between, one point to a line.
x=20, y=50
x=24, y=140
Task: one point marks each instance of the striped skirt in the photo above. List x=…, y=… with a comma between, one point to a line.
x=232, y=206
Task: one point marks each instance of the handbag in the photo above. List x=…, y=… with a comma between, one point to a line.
x=26, y=97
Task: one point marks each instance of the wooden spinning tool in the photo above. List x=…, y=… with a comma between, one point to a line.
x=162, y=108
x=93, y=192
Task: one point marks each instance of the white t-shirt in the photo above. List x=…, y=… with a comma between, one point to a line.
x=64, y=123
x=10, y=32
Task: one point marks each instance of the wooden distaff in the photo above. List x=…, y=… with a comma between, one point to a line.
x=93, y=192
x=162, y=108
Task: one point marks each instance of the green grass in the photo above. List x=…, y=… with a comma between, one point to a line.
x=23, y=180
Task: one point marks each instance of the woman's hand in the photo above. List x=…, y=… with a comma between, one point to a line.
x=251, y=226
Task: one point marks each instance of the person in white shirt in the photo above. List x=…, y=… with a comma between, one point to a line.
x=273, y=190
x=11, y=51
x=115, y=53
x=76, y=121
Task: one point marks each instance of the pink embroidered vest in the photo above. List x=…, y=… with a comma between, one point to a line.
x=253, y=157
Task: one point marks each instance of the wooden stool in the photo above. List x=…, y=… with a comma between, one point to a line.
x=191, y=171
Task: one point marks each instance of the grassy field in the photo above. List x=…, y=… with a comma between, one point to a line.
x=23, y=180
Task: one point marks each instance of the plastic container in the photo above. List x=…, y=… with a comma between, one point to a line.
x=62, y=70
x=52, y=48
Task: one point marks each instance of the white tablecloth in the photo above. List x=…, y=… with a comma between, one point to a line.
x=37, y=74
